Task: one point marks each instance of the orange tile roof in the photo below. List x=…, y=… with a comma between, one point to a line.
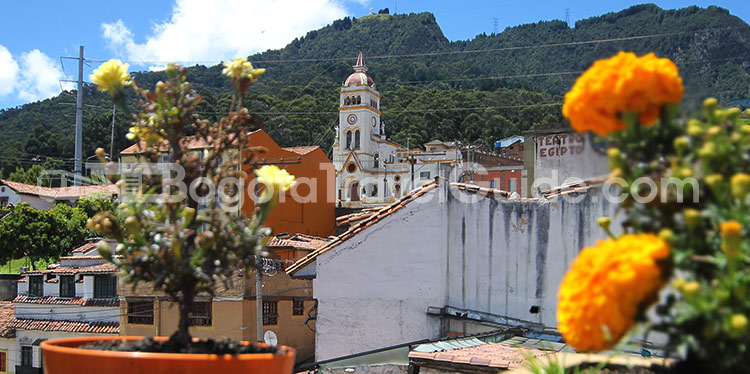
x=59, y=192
x=54, y=300
x=86, y=247
x=6, y=316
x=363, y=224
x=302, y=150
x=97, y=327
x=190, y=142
x=104, y=268
x=490, y=355
x=299, y=241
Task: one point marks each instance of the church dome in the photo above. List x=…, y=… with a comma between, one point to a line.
x=359, y=77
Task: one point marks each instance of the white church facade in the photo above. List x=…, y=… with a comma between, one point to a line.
x=372, y=170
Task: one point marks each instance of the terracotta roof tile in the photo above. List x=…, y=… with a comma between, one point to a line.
x=59, y=192
x=104, y=268
x=580, y=186
x=299, y=241
x=363, y=224
x=302, y=150
x=54, y=300
x=97, y=327
x=495, y=355
x=190, y=142
x=85, y=248
x=6, y=316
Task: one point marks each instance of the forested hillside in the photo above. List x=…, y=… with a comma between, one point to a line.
x=475, y=91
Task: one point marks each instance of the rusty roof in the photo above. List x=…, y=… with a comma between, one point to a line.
x=59, y=192
x=301, y=150
x=80, y=301
x=95, y=327
x=363, y=224
x=510, y=354
x=6, y=316
x=299, y=241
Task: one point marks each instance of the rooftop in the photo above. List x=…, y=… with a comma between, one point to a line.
x=58, y=193
x=98, y=327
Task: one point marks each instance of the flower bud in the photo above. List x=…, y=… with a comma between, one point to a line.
x=738, y=322
x=667, y=235
x=690, y=288
x=100, y=154
x=681, y=145
x=604, y=222
x=132, y=225
x=104, y=250
x=733, y=113
x=692, y=218
x=715, y=182
x=710, y=103
x=714, y=130
x=615, y=158
x=745, y=129
x=731, y=233
x=708, y=151
x=740, y=185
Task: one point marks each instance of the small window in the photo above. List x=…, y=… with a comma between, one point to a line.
x=270, y=313
x=201, y=314
x=67, y=286
x=105, y=286
x=424, y=175
x=27, y=356
x=298, y=307
x=356, y=139
x=36, y=286
x=492, y=184
x=376, y=160
x=374, y=190
x=359, y=99
x=351, y=168
x=397, y=190
x=3, y=201
x=3, y=362
x=347, y=101
x=513, y=185
x=348, y=140
x=141, y=312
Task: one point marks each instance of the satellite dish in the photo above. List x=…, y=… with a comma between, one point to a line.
x=270, y=338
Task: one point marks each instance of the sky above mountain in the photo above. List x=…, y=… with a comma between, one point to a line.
x=35, y=36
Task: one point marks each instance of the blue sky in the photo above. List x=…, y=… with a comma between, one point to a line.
x=35, y=34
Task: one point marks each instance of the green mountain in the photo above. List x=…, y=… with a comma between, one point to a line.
x=477, y=90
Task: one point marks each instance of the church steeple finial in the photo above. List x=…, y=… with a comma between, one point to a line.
x=360, y=66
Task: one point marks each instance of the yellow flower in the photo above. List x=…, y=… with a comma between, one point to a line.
x=731, y=233
x=692, y=217
x=601, y=294
x=690, y=288
x=240, y=68
x=715, y=181
x=111, y=76
x=604, y=222
x=276, y=180
x=740, y=185
x=624, y=83
x=710, y=103
x=739, y=322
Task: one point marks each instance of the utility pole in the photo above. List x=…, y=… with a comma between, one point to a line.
x=494, y=25
x=259, y=303
x=567, y=16
x=112, y=135
x=79, y=122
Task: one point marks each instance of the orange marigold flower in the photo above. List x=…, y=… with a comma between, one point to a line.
x=600, y=295
x=624, y=83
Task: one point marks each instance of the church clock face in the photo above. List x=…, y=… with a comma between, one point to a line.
x=352, y=119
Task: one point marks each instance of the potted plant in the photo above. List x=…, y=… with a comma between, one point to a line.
x=173, y=233
x=686, y=192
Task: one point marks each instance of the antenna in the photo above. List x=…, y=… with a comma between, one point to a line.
x=494, y=25
x=567, y=16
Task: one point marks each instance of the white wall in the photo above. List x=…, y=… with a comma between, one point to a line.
x=35, y=201
x=66, y=312
x=496, y=256
x=561, y=158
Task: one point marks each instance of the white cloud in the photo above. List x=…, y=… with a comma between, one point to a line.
x=210, y=31
x=40, y=78
x=8, y=71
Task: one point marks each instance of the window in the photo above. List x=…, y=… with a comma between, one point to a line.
x=348, y=140
x=397, y=190
x=347, y=101
x=424, y=175
x=359, y=99
x=3, y=201
x=105, y=286
x=298, y=307
x=374, y=190
x=376, y=160
x=141, y=311
x=36, y=286
x=492, y=184
x=27, y=355
x=3, y=361
x=513, y=185
x=270, y=313
x=201, y=314
x=67, y=286
x=356, y=139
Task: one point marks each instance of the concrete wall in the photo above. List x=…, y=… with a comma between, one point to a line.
x=35, y=201
x=373, y=290
x=491, y=255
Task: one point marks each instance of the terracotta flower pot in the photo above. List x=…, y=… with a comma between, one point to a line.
x=62, y=356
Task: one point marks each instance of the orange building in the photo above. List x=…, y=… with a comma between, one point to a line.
x=308, y=208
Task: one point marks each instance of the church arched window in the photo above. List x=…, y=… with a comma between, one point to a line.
x=359, y=99
x=347, y=101
x=348, y=140
x=376, y=160
x=356, y=139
